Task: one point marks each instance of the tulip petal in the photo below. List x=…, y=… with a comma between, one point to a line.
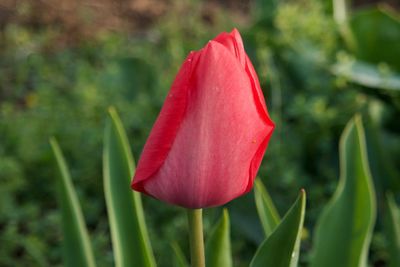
x=262, y=109
x=233, y=42
x=260, y=101
x=221, y=130
x=256, y=161
x=165, y=128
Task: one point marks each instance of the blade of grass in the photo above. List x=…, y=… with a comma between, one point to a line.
x=367, y=74
x=76, y=244
x=384, y=173
x=128, y=229
x=281, y=248
x=265, y=207
x=393, y=231
x=218, y=246
x=343, y=231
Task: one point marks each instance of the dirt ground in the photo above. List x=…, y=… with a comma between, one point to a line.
x=81, y=19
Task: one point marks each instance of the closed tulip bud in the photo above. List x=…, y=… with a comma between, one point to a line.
x=208, y=141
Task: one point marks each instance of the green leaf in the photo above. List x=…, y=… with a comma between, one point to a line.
x=393, y=231
x=381, y=164
x=128, y=229
x=179, y=259
x=281, y=248
x=76, y=244
x=376, y=33
x=367, y=74
x=343, y=231
x=218, y=246
x=267, y=212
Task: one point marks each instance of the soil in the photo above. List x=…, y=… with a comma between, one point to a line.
x=82, y=19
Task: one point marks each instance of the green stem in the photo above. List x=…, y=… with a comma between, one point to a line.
x=195, y=218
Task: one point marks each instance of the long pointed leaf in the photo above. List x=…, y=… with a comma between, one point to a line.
x=344, y=230
x=393, y=232
x=381, y=164
x=265, y=207
x=281, y=248
x=367, y=74
x=376, y=32
x=76, y=244
x=218, y=247
x=128, y=229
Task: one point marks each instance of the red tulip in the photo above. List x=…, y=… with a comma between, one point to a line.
x=209, y=139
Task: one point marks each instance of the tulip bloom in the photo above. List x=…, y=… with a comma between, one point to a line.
x=209, y=139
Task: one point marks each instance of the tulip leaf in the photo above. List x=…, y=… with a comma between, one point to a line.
x=393, y=231
x=281, y=248
x=267, y=212
x=368, y=75
x=218, y=246
x=376, y=32
x=343, y=231
x=381, y=164
x=128, y=229
x=77, y=248
x=179, y=259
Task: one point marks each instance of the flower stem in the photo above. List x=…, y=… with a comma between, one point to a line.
x=195, y=218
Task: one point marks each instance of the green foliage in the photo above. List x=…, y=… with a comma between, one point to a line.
x=393, y=231
x=386, y=177
x=77, y=248
x=218, y=246
x=366, y=74
x=376, y=32
x=281, y=248
x=344, y=230
x=267, y=212
x=371, y=34
x=128, y=229
x=303, y=33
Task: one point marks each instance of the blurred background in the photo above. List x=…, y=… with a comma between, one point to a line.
x=62, y=63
